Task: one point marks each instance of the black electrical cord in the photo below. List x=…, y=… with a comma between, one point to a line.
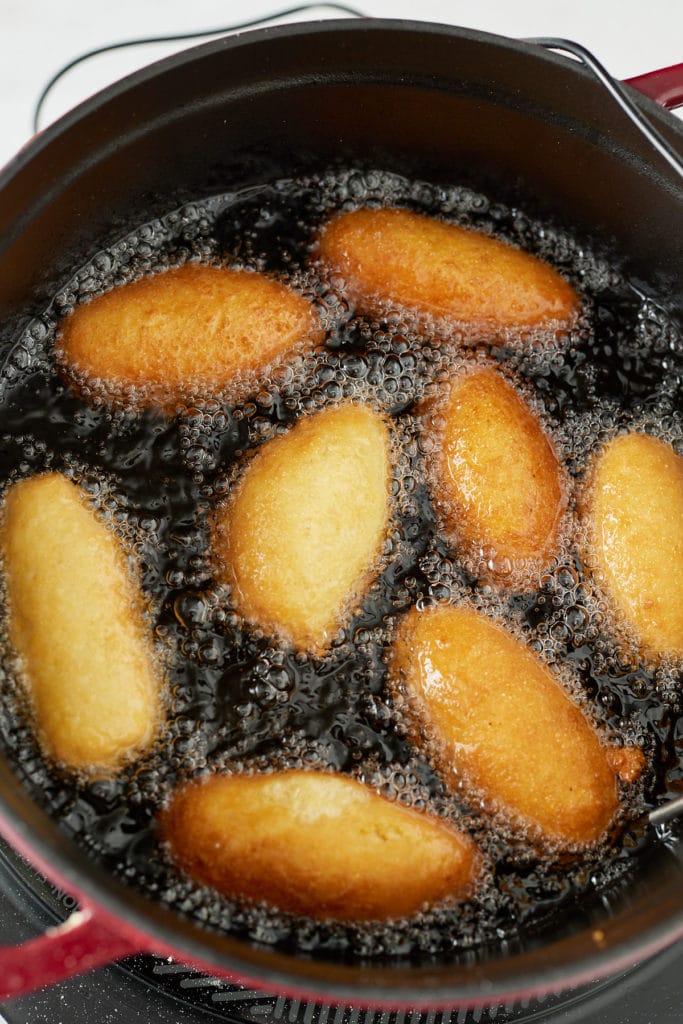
x=183, y=37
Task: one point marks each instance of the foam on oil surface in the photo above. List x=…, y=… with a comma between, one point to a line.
x=237, y=700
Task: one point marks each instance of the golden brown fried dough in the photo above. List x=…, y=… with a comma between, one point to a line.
x=501, y=721
x=186, y=331
x=316, y=844
x=635, y=525
x=75, y=622
x=300, y=536
x=628, y=762
x=394, y=257
x=495, y=476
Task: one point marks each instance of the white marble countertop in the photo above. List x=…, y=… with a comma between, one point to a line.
x=38, y=36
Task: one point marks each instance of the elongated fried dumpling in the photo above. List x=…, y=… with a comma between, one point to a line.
x=496, y=479
x=501, y=722
x=317, y=844
x=75, y=622
x=635, y=525
x=393, y=257
x=300, y=536
x=188, y=330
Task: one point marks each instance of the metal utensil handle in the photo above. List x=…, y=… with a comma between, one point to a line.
x=667, y=811
x=620, y=94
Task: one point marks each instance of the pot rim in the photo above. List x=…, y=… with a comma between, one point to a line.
x=40, y=839
x=34, y=146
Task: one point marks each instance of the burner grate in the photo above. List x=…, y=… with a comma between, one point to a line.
x=230, y=1002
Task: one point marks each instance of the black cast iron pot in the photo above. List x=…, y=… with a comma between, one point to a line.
x=440, y=103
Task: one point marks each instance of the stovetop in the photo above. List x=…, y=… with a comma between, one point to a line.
x=152, y=990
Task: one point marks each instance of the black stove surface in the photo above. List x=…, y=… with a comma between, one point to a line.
x=151, y=990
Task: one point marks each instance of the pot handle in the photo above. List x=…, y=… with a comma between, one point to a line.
x=664, y=86
x=87, y=939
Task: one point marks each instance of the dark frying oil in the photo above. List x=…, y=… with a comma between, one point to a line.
x=239, y=702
